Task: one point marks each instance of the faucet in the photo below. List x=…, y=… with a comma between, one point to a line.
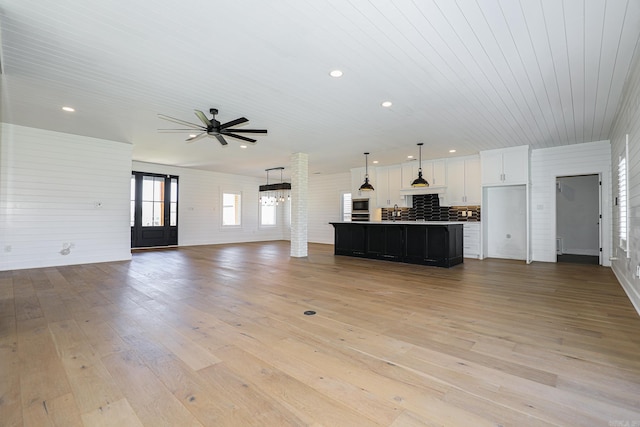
x=395, y=212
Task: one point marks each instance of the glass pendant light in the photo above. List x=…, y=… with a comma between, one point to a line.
x=420, y=181
x=274, y=194
x=366, y=186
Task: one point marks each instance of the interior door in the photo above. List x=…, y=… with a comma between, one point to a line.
x=506, y=222
x=154, y=210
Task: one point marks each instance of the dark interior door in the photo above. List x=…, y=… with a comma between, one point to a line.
x=154, y=210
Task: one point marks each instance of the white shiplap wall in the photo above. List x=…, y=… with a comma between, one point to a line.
x=567, y=160
x=627, y=122
x=200, y=204
x=325, y=198
x=63, y=199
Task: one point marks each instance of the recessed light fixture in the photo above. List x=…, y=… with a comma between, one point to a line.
x=243, y=146
x=452, y=151
x=335, y=73
x=375, y=162
x=387, y=104
x=193, y=135
x=409, y=157
x=69, y=109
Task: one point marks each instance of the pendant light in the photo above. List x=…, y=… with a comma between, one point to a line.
x=273, y=194
x=420, y=181
x=366, y=186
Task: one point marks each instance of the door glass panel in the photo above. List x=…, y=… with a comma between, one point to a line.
x=158, y=214
x=152, y=201
x=173, y=207
x=147, y=214
x=133, y=199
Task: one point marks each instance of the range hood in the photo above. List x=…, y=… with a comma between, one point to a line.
x=423, y=190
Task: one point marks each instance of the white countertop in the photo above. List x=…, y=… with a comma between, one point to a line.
x=402, y=222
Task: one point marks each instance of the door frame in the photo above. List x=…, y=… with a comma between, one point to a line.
x=600, y=212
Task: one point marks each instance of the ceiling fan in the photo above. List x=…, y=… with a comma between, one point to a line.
x=212, y=127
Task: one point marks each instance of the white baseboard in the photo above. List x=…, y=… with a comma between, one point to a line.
x=633, y=294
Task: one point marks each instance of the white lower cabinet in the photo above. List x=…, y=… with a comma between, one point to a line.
x=472, y=243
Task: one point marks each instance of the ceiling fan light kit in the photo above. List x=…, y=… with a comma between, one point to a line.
x=212, y=127
x=420, y=181
x=366, y=186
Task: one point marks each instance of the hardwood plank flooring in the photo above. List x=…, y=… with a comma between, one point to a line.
x=217, y=336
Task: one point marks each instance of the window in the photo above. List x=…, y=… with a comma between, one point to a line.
x=346, y=206
x=623, y=206
x=133, y=200
x=173, y=203
x=268, y=211
x=231, y=209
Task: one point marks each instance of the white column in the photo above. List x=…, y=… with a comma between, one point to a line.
x=299, y=203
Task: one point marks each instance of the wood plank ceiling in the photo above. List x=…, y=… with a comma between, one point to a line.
x=465, y=75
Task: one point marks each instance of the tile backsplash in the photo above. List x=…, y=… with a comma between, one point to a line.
x=427, y=207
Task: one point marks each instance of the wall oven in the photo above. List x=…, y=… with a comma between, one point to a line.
x=360, y=210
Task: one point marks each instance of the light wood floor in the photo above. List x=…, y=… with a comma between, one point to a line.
x=216, y=336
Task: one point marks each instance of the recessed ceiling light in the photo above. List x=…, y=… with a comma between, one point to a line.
x=409, y=157
x=193, y=135
x=243, y=146
x=335, y=73
x=69, y=109
x=452, y=151
x=375, y=162
x=387, y=104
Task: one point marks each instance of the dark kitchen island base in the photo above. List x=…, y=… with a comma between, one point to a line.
x=428, y=243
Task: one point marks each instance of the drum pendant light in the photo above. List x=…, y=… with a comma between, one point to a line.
x=366, y=186
x=420, y=181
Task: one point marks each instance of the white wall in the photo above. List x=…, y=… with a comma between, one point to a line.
x=325, y=197
x=63, y=199
x=628, y=122
x=200, y=201
x=546, y=165
x=578, y=209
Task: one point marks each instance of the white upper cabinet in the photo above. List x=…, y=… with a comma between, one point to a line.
x=463, y=181
x=434, y=171
x=505, y=166
x=388, y=184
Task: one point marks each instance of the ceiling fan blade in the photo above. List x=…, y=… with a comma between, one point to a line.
x=203, y=118
x=246, y=130
x=177, y=130
x=244, y=138
x=221, y=139
x=194, y=138
x=234, y=122
x=180, y=122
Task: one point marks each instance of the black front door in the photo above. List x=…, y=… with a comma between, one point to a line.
x=154, y=210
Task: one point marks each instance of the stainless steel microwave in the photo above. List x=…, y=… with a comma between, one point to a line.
x=360, y=205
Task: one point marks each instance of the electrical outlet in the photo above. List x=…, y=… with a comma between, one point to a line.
x=638, y=271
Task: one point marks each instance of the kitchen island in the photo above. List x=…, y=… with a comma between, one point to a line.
x=436, y=243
